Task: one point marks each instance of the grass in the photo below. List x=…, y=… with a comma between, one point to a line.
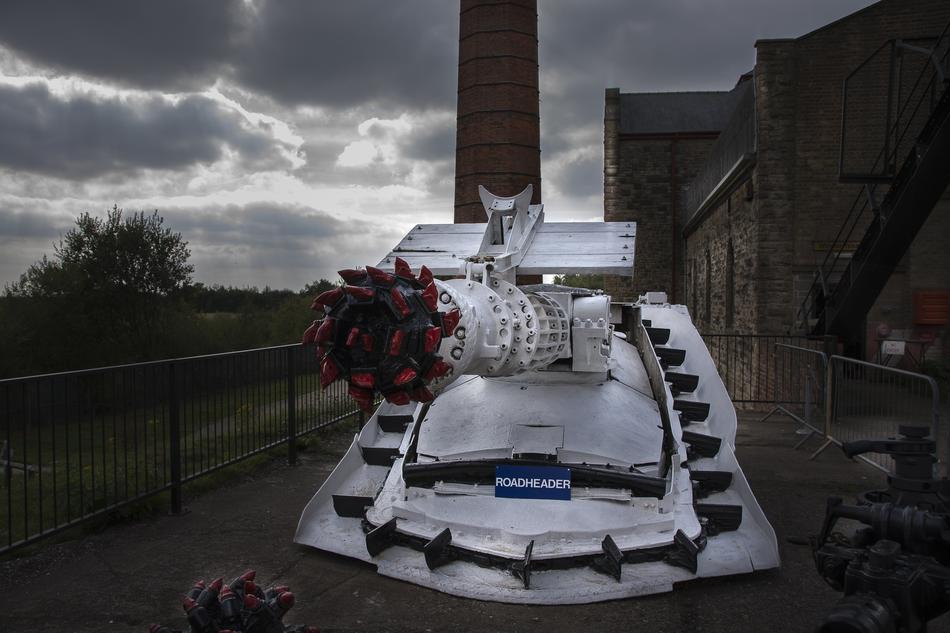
x=160, y=503
x=91, y=457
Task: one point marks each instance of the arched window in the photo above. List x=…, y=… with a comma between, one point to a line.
x=708, y=311
x=691, y=286
x=730, y=289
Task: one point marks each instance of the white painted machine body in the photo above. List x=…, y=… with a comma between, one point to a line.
x=653, y=480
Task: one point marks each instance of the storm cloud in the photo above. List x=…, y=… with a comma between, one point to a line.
x=86, y=136
x=286, y=139
x=171, y=45
x=397, y=54
x=290, y=245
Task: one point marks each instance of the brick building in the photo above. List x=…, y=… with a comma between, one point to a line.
x=498, y=128
x=753, y=213
x=654, y=145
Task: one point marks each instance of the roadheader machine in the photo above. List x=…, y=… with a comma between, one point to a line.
x=534, y=443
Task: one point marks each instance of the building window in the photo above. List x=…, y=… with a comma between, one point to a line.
x=708, y=311
x=690, y=283
x=730, y=286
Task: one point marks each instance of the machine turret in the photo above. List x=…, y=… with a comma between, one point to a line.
x=408, y=335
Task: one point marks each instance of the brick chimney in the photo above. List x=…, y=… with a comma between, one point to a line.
x=497, y=142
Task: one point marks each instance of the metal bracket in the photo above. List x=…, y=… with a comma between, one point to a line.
x=612, y=560
x=512, y=223
x=522, y=568
x=437, y=550
x=701, y=444
x=709, y=481
x=381, y=538
x=686, y=554
x=720, y=517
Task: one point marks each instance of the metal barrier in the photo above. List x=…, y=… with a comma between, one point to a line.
x=80, y=445
x=747, y=363
x=871, y=401
x=800, y=381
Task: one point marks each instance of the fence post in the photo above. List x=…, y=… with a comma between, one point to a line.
x=808, y=405
x=829, y=405
x=174, y=440
x=291, y=407
x=830, y=345
x=829, y=394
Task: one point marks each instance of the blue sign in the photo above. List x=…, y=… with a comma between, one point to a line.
x=533, y=482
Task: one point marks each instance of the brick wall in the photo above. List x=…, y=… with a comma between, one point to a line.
x=645, y=180
x=497, y=133
x=925, y=267
x=781, y=235
x=774, y=181
x=729, y=226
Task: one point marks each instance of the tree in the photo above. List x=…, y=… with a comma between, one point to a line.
x=316, y=287
x=112, y=286
x=591, y=282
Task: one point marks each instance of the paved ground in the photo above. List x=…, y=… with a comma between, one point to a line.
x=128, y=576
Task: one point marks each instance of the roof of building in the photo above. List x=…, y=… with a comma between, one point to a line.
x=673, y=112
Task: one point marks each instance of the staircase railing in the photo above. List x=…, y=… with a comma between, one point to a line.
x=903, y=122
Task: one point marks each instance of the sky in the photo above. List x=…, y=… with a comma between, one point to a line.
x=287, y=139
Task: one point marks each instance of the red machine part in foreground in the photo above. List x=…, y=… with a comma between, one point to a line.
x=381, y=333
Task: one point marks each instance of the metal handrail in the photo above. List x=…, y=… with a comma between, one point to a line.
x=856, y=213
x=97, y=440
x=146, y=363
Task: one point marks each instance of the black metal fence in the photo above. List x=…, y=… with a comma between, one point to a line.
x=76, y=446
x=749, y=363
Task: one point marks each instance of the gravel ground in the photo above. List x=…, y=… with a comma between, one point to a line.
x=127, y=576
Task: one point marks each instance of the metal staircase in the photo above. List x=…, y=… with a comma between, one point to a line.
x=905, y=180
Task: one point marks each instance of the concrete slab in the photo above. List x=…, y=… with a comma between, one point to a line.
x=130, y=575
